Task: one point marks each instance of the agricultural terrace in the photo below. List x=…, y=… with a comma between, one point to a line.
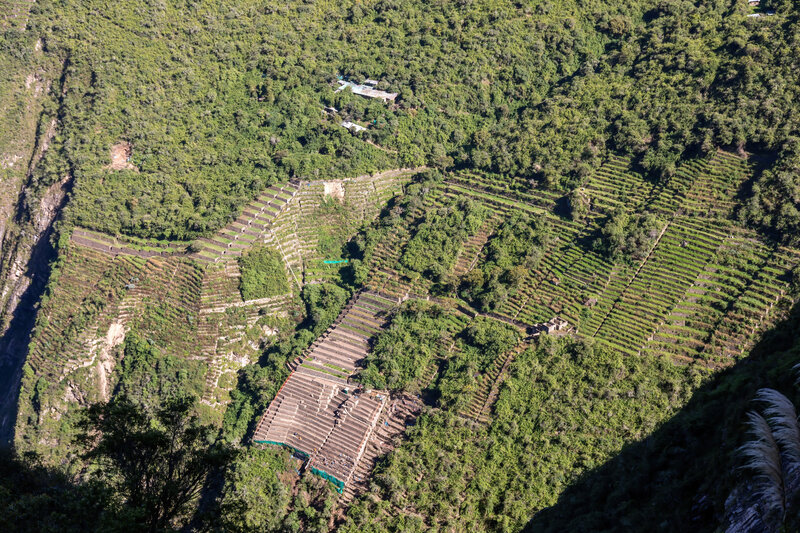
x=453, y=279
x=646, y=275
x=697, y=287
x=187, y=298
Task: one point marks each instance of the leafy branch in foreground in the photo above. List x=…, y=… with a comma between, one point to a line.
x=158, y=464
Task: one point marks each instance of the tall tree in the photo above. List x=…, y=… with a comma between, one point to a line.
x=157, y=463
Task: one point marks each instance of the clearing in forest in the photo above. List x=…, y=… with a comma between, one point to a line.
x=121, y=157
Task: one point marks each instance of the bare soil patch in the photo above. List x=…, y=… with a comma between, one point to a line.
x=335, y=189
x=120, y=157
x=106, y=363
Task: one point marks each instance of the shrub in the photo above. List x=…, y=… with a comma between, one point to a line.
x=263, y=274
x=433, y=249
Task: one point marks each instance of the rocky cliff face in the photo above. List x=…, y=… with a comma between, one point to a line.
x=27, y=216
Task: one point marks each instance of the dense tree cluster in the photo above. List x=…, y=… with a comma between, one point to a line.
x=157, y=462
x=628, y=238
x=694, y=455
x=476, y=349
x=264, y=493
x=263, y=274
x=323, y=303
x=232, y=99
x=34, y=498
x=775, y=201
x=404, y=352
x=438, y=237
x=515, y=249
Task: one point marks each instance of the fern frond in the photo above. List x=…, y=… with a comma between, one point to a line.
x=764, y=458
x=782, y=418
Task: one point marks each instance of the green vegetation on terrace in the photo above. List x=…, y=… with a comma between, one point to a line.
x=323, y=303
x=148, y=376
x=438, y=237
x=512, y=251
x=628, y=238
x=332, y=224
x=567, y=407
x=373, y=238
x=430, y=348
x=263, y=274
x=480, y=346
x=403, y=353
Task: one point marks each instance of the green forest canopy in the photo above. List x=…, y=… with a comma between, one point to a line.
x=218, y=99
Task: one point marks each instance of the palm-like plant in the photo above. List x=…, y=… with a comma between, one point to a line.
x=773, y=453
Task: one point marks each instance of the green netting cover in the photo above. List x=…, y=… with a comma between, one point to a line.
x=324, y=475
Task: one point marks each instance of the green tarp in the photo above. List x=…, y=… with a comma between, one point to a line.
x=316, y=471
x=324, y=475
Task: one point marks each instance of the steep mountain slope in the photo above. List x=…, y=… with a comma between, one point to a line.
x=187, y=303
x=558, y=229
x=28, y=206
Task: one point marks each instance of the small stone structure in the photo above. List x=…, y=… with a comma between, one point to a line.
x=554, y=325
x=366, y=90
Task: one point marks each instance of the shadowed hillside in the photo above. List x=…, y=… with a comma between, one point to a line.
x=679, y=477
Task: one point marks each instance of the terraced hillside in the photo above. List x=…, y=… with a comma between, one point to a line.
x=319, y=411
x=14, y=13
x=700, y=292
x=703, y=291
x=184, y=298
x=341, y=428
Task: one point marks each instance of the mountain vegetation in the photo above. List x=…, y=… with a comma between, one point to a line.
x=263, y=274
x=579, y=222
